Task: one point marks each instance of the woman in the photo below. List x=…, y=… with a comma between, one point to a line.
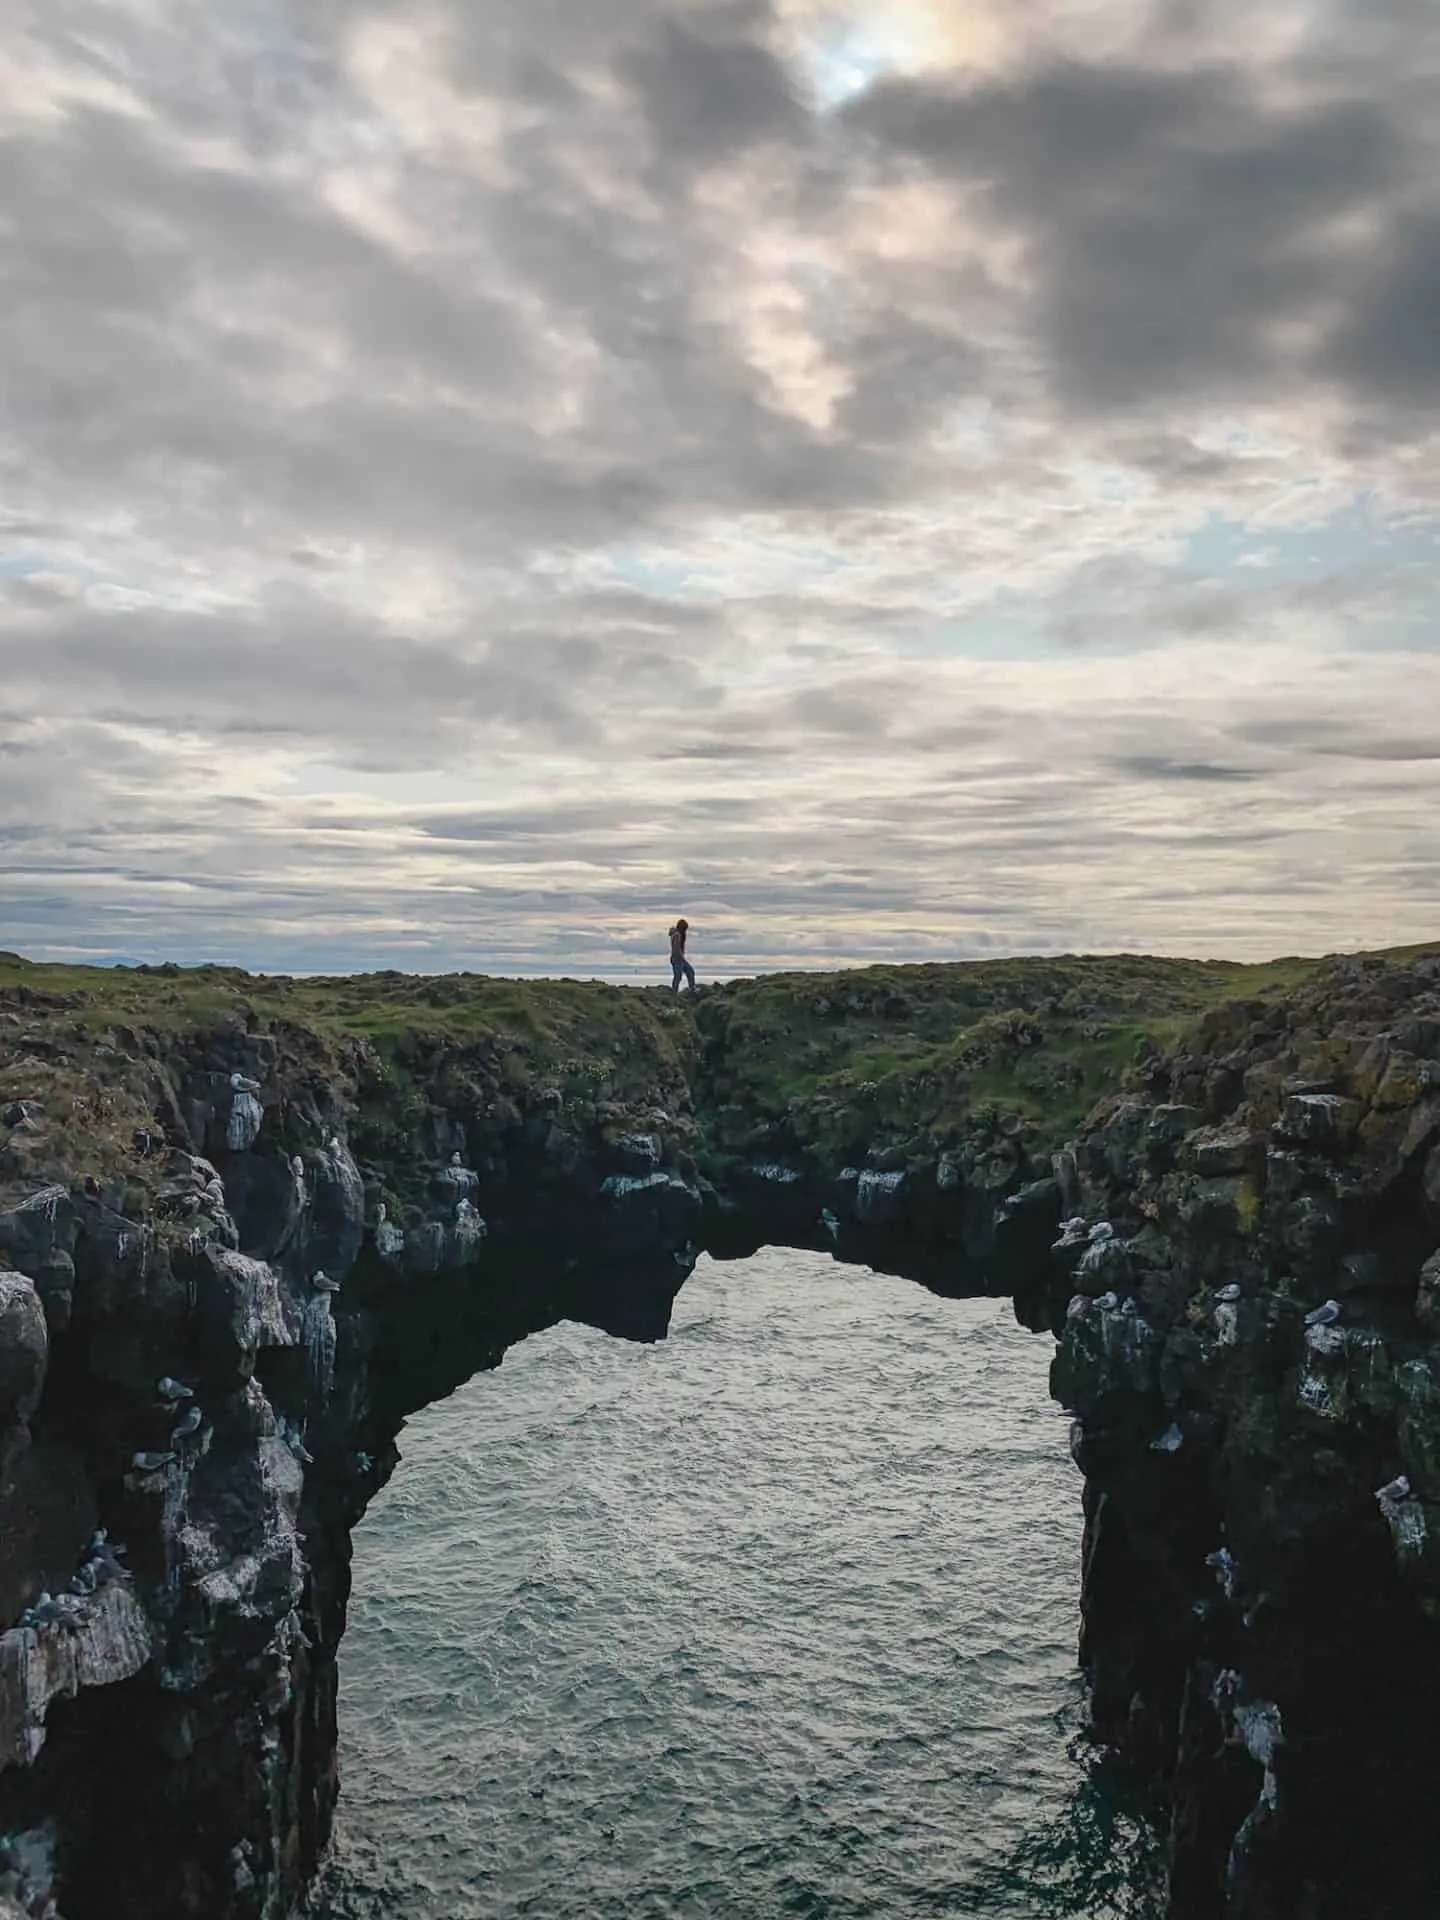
x=678, y=963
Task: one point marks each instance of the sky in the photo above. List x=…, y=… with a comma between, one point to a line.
x=901, y=479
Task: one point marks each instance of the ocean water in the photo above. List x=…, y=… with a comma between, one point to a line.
x=777, y=1617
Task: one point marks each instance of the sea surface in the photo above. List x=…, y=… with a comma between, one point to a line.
x=776, y=1617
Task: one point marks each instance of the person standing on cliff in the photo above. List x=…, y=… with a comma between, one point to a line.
x=678, y=963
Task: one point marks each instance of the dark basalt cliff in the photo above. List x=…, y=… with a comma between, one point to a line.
x=247, y=1226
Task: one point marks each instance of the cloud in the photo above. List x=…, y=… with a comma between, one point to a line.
x=479, y=476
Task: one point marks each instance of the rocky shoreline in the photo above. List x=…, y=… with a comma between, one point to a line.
x=241, y=1239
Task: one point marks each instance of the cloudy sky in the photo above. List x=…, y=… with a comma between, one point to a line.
x=886, y=478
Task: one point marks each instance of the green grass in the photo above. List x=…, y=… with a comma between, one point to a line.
x=811, y=1060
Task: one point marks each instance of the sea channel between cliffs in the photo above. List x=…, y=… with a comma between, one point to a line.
x=309, y=1208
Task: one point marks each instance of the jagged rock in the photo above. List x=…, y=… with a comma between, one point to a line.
x=38, y=1237
x=1431, y=1187
x=238, y=1308
x=638, y=1152
x=1427, y=1300
x=24, y=1349
x=333, y=1225
x=1226, y=1150
x=108, y=1640
x=1324, y=1120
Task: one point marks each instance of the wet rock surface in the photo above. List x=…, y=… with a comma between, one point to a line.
x=236, y=1251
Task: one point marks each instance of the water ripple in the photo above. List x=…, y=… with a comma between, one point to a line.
x=776, y=1618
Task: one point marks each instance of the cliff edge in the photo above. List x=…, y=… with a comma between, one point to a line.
x=248, y=1224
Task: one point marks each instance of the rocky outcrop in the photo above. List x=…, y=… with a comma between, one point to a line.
x=1248, y=1344
x=243, y=1237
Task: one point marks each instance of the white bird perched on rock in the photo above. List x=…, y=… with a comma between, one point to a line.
x=173, y=1391
x=1396, y=1489
x=830, y=1223
x=190, y=1424
x=321, y=1282
x=1102, y=1230
x=1223, y=1561
x=455, y=1160
x=1227, y=1295
x=1170, y=1441
x=1079, y=1303
x=241, y=1083
x=149, y=1461
x=1323, y=1316
x=297, y=1166
x=334, y=1144
x=1108, y=1302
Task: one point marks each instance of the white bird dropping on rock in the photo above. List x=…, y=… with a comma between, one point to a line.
x=1170, y=1441
x=1227, y=1295
x=318, y=1334
x=1323, y=1316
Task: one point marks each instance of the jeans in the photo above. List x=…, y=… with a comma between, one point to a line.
x=679, y=964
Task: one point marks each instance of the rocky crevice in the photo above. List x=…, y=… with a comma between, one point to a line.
x=307, y=1239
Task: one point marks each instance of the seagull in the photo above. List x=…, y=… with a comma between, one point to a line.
x=455, y=1160
x=1079, y=1303
x=1108, y=1302
x=241, y=1084
x=381, y=1213
x=1102, y=1230
x=105, y=1565
x=1323, y=1316
x=830, y=1223
x=1396, y=1489
x=321, y=1282
x=332, y=1145
x=190, y=1424
x=148, y=1461
x=1170, y=1441
x=1226, y=1296
x=1130, y=1306
x=297, y=1166
x=1223, y=1561
x=172, y=1392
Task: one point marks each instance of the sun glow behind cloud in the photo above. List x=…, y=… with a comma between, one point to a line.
x=899, y=480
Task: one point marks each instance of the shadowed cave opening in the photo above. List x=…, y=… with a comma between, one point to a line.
x=776, y=1614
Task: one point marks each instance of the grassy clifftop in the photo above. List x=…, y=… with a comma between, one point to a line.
x=811, y=1060
x=931, y=1049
